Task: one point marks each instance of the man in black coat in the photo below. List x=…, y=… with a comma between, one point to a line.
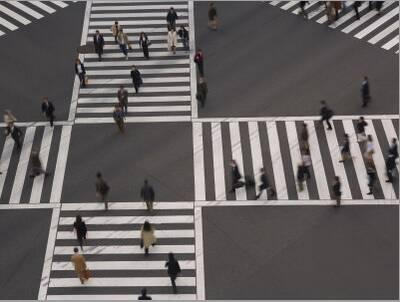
x=98, y=41
x=393, y=154
x=48, y=110
x=36, y=165
x=122, y=96
x=326, y=113
x=236, y=176
x=80, y=71
x=365, y=92
x=102, y=189
x=171, y=18
x=136, y=78
x=147, y=195
x=264, y=184
x=199, y=60
x=16, y=134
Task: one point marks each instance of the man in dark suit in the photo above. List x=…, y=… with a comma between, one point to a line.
x=122, y=95
x=365, y=92
x=16, y=134
x=48, y=110
x=147, y=194
x=171, y=18
x=98, y=41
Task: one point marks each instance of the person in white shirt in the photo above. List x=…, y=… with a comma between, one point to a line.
x=172, y=40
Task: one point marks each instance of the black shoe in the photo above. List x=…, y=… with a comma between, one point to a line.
x=388, y=180
x=369, y=193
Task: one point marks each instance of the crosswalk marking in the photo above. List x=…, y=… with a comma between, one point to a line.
x=256, y=154
x=149, y=30
x=237, y=156
x=5, y=160
x=137, y=22
x=200, y=192
x=14, y=15
x=143, y=71
x=135, y=109
x=60, y=3
x=123, y=265
x=348, y=15
x=164, y=205
x=26, y=9
x=288, y=5
x=126, y=249
x=391, y=43
x=132, y=90
x=120, y=297
x=151, y=36
x=134, y=15
x=138, y=63
x=137, y=99
x=136, y=54
x=7, y=24
x=387, y=31
x=43, y=6
x=133, y=119
x=390, y=134
x=163, y=7
x=155, y=80
x=129, y=219
x=153, y=46
x=122, y=281
x=377, y=23
x=218, y=160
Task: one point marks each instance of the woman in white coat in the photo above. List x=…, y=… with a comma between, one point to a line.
x=172, y=40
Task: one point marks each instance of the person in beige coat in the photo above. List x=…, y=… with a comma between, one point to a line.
x=115, y=29
x=172, y=40
x=123, y=42
x=147, y=237
x=9, y=118
x=79, y=263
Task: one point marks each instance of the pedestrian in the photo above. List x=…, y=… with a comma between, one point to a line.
x=147, y=237
x=79, y=263
x=15, y=133
x=212, y=16
x=330, y=12
x=264, y=185
x=171, y=18
x=136, y=78
x=202, y=91
x=303, y=12
x=80, y=230
x=115, y=30
x=36, y=165
x=123, y=42
x=236, y=176
x=81, y=72
x=304, y=138
x=122, y=96
x=365, y=94
x=361, y=124
x=356, y=5
x=345, y=149
x=300, y=176
x=371, y=172
x=393, y=149
x=144, y=43
x=199, y=60
x=306, y=162
x=48, y=110
x=144, y=295
x=118, y=115
x=326, y=114
x=336, y=190
x=369, y=150
x=378, y=6
x=98, y=41
x=183, y=33
x=173, y=270
x=9, y=118
x=337, y=5
x=393, y=154
x=102, y=190
x=172, y=40
x=370, y=5
x=147, y=194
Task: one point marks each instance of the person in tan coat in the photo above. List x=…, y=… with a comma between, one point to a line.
x=123, y=42
x=115, y=29
x=172, y=40
x=79, y=263
x=147, y=237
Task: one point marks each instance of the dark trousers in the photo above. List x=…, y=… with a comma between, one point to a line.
x=356, y=11
x=17, y=141
x=200, y=67
x=80, y=240
x=51, y=119
x=327, y=122
x=173, y=278
x=99, y=53
x=185, y=42
x=136, y=87
x=124, y=49
x=146, y=52
x=338, y=200
x=115, y=38
x=365, y=100
x=82, y=79
x=124, y=106
x=371, y=181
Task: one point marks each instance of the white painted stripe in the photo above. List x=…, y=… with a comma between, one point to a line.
x=276, y=160
x=128, y=219
x=7, y=24
x=126, y=249
x=322, y=20
x=218, y=162
x=136, y=99
x=132, y=90
x=44, y=156
x=316, y=11
x=134, y=1
x=256, y=154
x=2, y=33
x=318, y=166
x=14, y=15
x=26, y=9
x=289, y=4
x=115, y=16
x=149, y=30
x=390, y=133
x=387, y=31
x=274, y=3
x=136, y=54
x=134, y=119
x=359, y=166
x=377, y=23
x=134, y=109
x=151, y=37
x=48, y=258
x=296, y=11
x=143, y=71
x=391, y=43
x=380, y=164
x=161, y=45
x=123, y=265
x=60, y=3
x=22, y=166
x=128, y=234
x=59, y=173
x=357, y=23
x=94, y=24
x=237, y=155
x=295, y=157
x=137, y=63
x=198, y=160
x=334, y=151
x=8, y=206
x=350, y=14
x=126, y=206
x=128, y=81
x=122, y=281
x=139, y=7
x=200, y=276
x=43, y=6
x=5, y=160
x=193, y=70
x=294, y=118
x=120, y=297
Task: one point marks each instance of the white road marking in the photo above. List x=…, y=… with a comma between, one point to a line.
x=135, y=54
x=94, y=24
x=135, y=109
x=161, y=205
x=237, y=155
x=357, y=23
x=143, y=71
x=120, y=297
x=123, y=265
x=200, y=276
x=350, y=14
x=139, y=7
x=7, y=24
x=132, y=90
x=14, y=15
x=136, y=99
x=218, y=162
x=393, y=13
x=26, y=9
x=147, y=80
x=60, y=3
x=133, y=119
x=198, y=154
x=128, y=219
x=137, y=63
x=387, y=31
x=192, y=50
x=122, y=281
x=391, y=43
x=289, y=4
x=256, y=154
x=115, y=16
x=43, y=6
x=5, y=160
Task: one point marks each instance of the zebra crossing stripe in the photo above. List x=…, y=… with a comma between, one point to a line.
x=143, y=71
x=123, y=265
x=218, y=162
x=94, y=24
x=133, y=119
x=26, y=9
x=125, y=81
x=7, y=24
x=149, y=30
x=60, y=4
x=135, y=109
x=175, y=297
x=256, y=154
x=106, y=220
x=387, y=31
x=358, y=23
x=391, y=43
x=5, y=160
x=198, y=151
x=162, y=205
x=153, y=46
x=136, y=99
x=43, y=6
x=14, y=15
x=134, y=15
x=137, y=63
x=135, y=54
x=132, y=90
x=165, y=7
x=150, y=36
x=350, y=14
x=288, y=5
x=237, y=155
x=377, y=23
x=2, y=33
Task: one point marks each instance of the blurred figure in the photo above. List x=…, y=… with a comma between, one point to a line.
x=199, y=60
x=98, y=41
x=48, y=110
x=264, y=185
x=304, y=146
x=36, y=165
x=184, y=35
x=212, y=16
x=15, y=133
x=303, y=12
x=361, y=124
x=81, y=72
x=300, y=176
x=79, y=263
x=102, y=189
x=144, y=295
x=236, y=176
x=369, y=150
x=136, y=78
x=326, y=114
x=365, y=94
x=144, y=43
x=172, y=40
x=123, y=42
x=371, y=172
x=118, y=116
x=345, y=149
x=202, y=91
x=336, y=190
x=393, y=154
x=356, y=5
x=147, y=237
x=122, y=96
x=171, y=18
x=80, y=230
x=115, y=30
x=9, y=118
x=173, y=269
x=147, y=194
x=378, y=6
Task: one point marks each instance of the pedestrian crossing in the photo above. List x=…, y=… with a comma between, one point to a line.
x=274, y=145
x=16, y=185
x=15, y=14
x=165, y=93
x=113, y=254
x=380, y=30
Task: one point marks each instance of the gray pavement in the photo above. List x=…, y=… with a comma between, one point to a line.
x=23, y=236
x=301, y=252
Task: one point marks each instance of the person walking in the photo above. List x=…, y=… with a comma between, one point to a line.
x=303, y=12
x=361, y=124
x=81, y=72
x=98, y=41
x=300, y=176
x=144, y=295
x=147, y=194
x=144, y=43
x=336, y=187
x=378, y=6
x=172, y=40
x=80, y=230
x=118, y=115
x=369, y=150
x=80, y=266
x=102, y=190
x=48, y=110
x=326, y=114
x=306, y=162
x=183, y=33
x=365, y=94
x=147, y=237
x=173, y=269
x=122, y=96
x=236, y=176
x=393, y=154
x=15, y=133
x=264, y=185
x=356, y=5
x=123, y=42
x=9, y=118
x=393, y=149
x=330, y=12
x=136, y=78
x=171, y=18
x=371, y=172
x=199, y=60
x=115, y=30
x=202, y=91
x=212, y=16
x=345, y=149
x=304, y=138
x=36, y=165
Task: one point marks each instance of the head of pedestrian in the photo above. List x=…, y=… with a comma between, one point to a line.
x=171, y=9
x=336, y=178
x=97, y=32
x=121, y=87
x=77, y=61
x=394, y=140
x=361, y=118
x=76, y=250
x=78, y=218
x=304, y=125
x=365, y=78
x=147, y=226
x=211, y=4
x=45, y=99
x=346, y=136
x=116, y=22
x=98, y=175
x=144, y=291
x=262, y=170
x=171, y=256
